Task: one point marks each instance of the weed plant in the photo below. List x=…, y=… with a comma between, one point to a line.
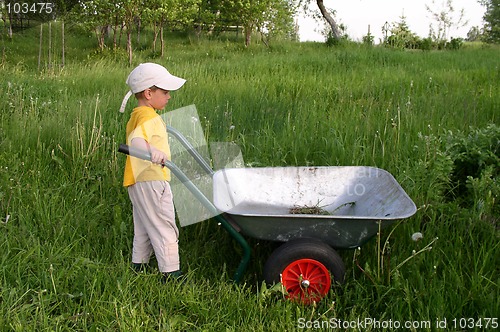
x=66, y=225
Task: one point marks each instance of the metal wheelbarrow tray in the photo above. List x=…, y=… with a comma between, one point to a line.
x=353, y=198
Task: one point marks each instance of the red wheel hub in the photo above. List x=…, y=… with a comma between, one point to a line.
x=306, y=280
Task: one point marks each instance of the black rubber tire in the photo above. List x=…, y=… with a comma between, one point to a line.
x=299, y=249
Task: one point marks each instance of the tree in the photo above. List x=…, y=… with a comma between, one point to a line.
x=130, y=14
x=155, y=14
x=94, y=15
x=169, y=12
x=208, y=14
x=19, y=12
x=327, y=15
x=256, y=15
x=474, y=34
x=278, y=21
x=492, y=20
x=7, y=15
x=446, y=18
x=116, y=15
x=247, y=13
x=336, y=33
x=401, y=35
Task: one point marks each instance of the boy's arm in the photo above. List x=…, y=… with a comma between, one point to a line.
x=157, y=156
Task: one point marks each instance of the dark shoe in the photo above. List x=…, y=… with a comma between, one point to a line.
x=139, y=267
x=174, y=275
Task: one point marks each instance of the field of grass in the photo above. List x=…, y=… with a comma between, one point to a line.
x=66, y=223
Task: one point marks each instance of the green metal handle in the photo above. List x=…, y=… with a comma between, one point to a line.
x=190, y=148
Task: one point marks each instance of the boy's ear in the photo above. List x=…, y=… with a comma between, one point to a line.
x=146, y=94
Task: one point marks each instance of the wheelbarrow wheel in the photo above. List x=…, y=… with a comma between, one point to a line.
x=305, y=268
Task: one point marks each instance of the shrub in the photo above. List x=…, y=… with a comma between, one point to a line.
x=476, y=167
x=368, y=40
x=455, y=44
x=462, y=168
x=332, y=41
x=426, y=44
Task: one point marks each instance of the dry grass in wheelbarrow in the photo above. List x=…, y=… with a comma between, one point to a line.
x=317, y=210
x=308, y=210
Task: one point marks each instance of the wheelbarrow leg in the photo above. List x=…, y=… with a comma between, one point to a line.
x=242, y=242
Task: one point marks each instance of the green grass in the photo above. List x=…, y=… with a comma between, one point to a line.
x=67, y=242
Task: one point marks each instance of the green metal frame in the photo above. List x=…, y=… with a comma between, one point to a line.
x=219, y=215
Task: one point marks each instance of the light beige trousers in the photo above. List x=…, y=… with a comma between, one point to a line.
x=154, y=225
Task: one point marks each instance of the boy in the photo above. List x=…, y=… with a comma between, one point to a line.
x=147, y=182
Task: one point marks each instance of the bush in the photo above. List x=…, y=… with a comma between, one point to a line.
x=462, y=168
x=476, y=167
x=368, y=40
x=455, y=44
x=332, y=41
x=426, y=44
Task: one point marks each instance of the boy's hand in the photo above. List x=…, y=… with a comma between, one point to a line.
x=157, y=156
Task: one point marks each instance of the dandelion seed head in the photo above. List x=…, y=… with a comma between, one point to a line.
x=417, y=236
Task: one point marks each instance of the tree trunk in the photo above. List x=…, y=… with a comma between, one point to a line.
x=248, y=35
x=263, y=38
x=326, y=15
x=122, y=26
x=99, y=33
x=104, y=31
x=10, y=26
x=155, y=35
x=115, y=31
x=139, y=31
x=129, y=46
x=162, y=42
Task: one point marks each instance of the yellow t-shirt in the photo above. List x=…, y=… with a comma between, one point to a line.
x=145, y=123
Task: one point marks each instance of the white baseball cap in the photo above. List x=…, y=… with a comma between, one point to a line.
x=150, y=74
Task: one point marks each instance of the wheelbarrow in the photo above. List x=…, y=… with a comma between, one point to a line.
x=312, y=210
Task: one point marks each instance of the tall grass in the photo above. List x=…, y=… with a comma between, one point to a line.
x=66, y=221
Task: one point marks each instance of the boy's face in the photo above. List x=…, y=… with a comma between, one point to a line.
x=157, y=98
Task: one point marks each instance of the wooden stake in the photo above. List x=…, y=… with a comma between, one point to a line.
x=50, y=43
x=40, y=49
x=63, y=46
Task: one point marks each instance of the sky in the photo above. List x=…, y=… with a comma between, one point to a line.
x=358, y=14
